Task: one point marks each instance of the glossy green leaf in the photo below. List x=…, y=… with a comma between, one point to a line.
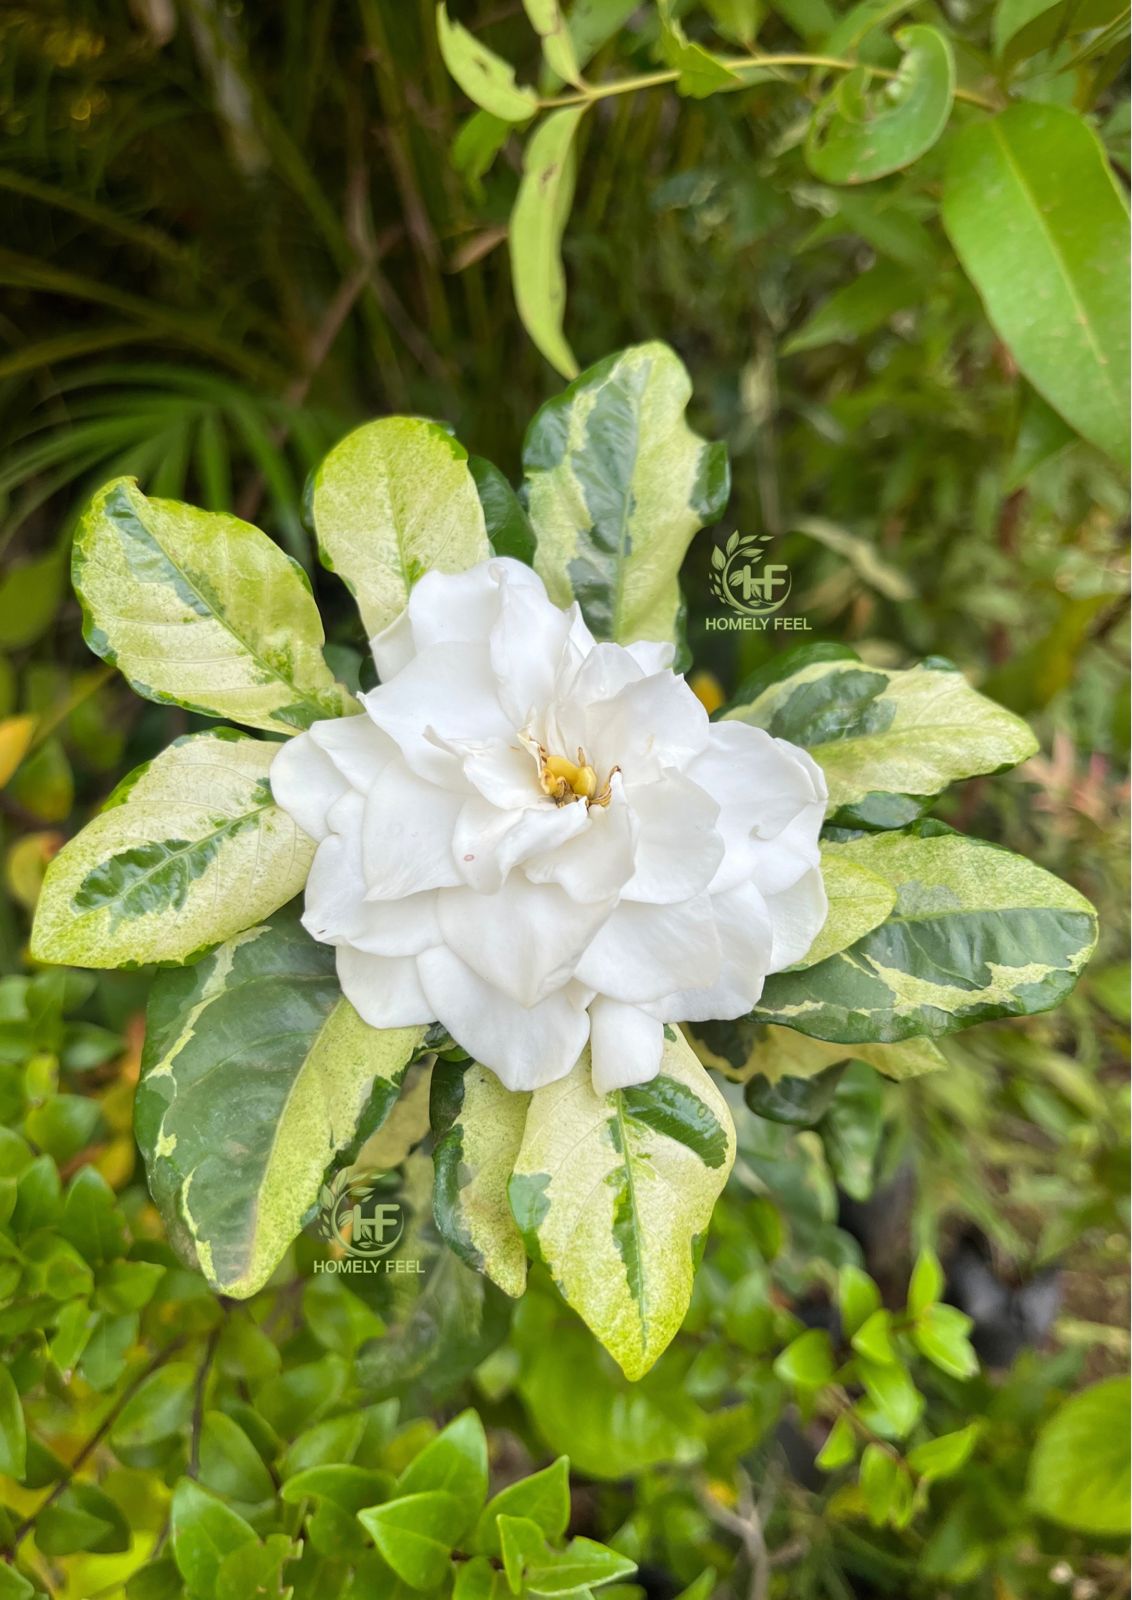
x=394, y=500
x=613, y=1194
x=480, y=1126
x=1079, y=1472
x=857, y=1298
x=189, y=850
x=456, y=1462
x=945, y=1456
x=204, y=1531
x=807, y=1362
x=861, y=132
x=857, y=308
x=543, y=1498
x=840, y=1446
x=941, y=1333
x=878, y=731
x=572, y=1571
x=235, y=1160
x=1037, y=220
x=926, y=1284
x=485, y=78
x=509, y=530
x=201, y=610
x=230, y=1465
x=538, y=221
x=547, y=20
x=618, y=485
x=797, y=1102
x=415, y=1535
x=873, y=1339
x=160, y=1408
x=701, y=73
x=13, y=1433
x=977, y=933
x=83, y=1518
x=890, y=1388
x=850, y=1131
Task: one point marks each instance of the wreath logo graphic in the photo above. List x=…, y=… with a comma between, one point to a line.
x=740, y=578
x=359, y=1213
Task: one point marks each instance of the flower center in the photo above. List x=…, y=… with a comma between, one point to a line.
x=565, y=780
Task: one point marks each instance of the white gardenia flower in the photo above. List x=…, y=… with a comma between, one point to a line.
x=538, y=840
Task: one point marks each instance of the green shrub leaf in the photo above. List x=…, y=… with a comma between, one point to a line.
x=235, y=1159
x=538, y=221
x=543, y=1498
x=201, y=610
x=618, y=485
x=394, y=500
x=415, y=1535
x=190, y=849
x=485, y=78
x=613, y=1193
x=861, y=132
x=1037, y=220
x=1079, y=1471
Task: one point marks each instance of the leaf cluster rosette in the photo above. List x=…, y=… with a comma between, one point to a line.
x=528, y=833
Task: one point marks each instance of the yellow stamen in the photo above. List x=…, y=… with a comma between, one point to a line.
x=565, y=780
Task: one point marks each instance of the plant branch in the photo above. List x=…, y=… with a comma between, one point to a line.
x=737, y=64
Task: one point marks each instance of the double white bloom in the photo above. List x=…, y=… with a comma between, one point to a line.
x=536, y=839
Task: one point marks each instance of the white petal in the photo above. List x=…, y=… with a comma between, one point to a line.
x=407, y=835
x=797, y=916
x=745, y=932
x=652, y=655
x=487, y=842
x=526, y=939
x=525, y=1046
x=526, y=647
x=678, y=845
x=594, y=864
x=449, y=689
x=772, y=802
x=306, y=783
x=383, y=990
x=645, y=952
x=502, y=770
x=655, y=723
x=360, y=751
x=625, y=1045
x=393, y=648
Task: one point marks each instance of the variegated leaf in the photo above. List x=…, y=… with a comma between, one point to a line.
x=618, y=484
x=886, y=740
x=480, y=1127
x=189, y=849
x=615, y=1193
x=858, y=901
x=742, y=1049
x=394, y=500
x=201, y=610
x=256, y=1072
x=976, y=933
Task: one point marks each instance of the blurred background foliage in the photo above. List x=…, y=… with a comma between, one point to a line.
x=232, y=231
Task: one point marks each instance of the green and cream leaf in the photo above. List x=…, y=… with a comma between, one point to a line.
x=480, y=1126
x=858, y=901
x=256, y=1072
x=201, y=610
x=879, y=732
x=614, y=1193
x=394, y=500
x=742, y=1049
x=189, y=850
x=976, y=933
x=618, y=484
